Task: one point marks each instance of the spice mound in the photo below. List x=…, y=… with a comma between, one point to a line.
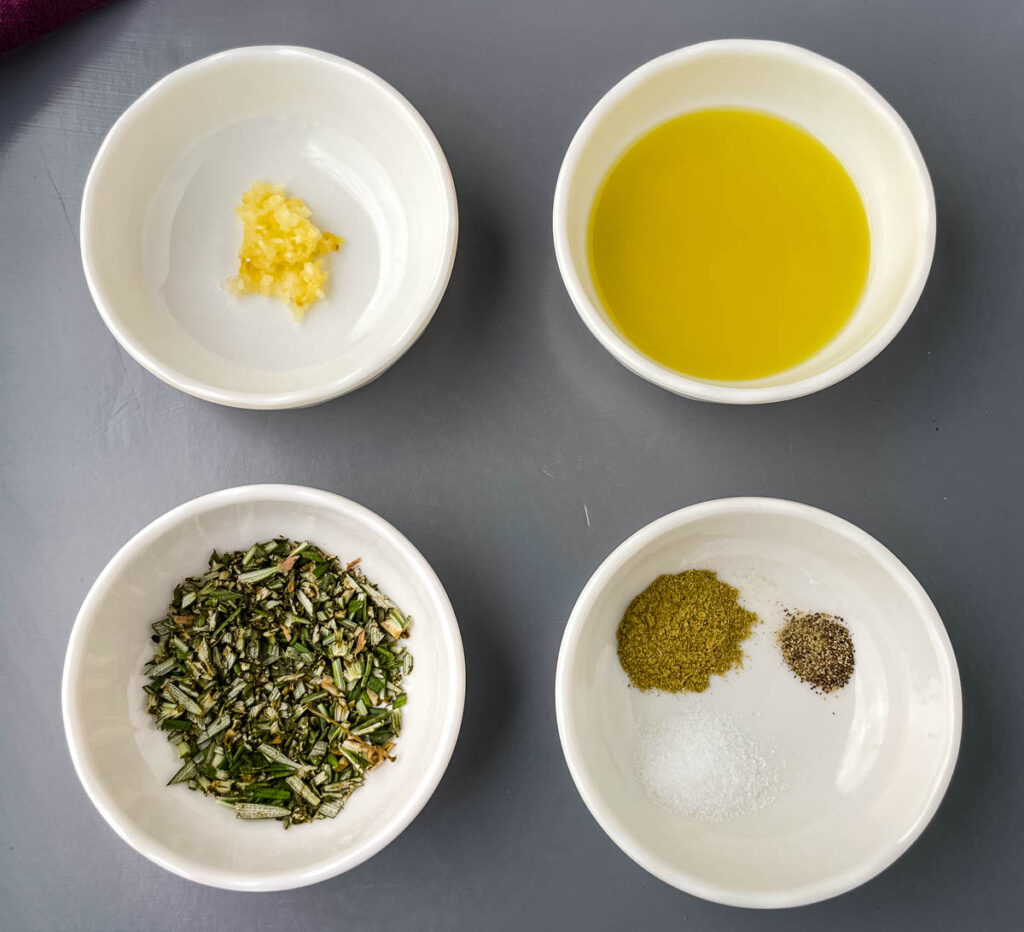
x=278, y=677
x=703, y=766
x=818, y=649
x=682, y=629
x=282, y=252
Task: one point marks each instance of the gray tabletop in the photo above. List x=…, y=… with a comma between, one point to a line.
x=507, y=425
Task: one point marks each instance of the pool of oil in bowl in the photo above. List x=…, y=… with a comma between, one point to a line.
x=729, y=244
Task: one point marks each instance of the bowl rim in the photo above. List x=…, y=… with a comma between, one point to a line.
x=297, y=398
x=726, y=393
x=288, y=878
x=587, y=788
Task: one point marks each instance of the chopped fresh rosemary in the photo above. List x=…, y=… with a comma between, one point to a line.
x=278, y=677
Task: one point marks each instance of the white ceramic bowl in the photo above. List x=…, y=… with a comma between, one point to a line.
x=124, y=761
x=824, y=98
x=160, y=236
x=860, y=772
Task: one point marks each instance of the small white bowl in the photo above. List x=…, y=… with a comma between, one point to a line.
x=824, y=98
x=124, y=761
x=860, y=771
x=160, y=236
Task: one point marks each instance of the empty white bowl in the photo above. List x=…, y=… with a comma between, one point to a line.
x=858, y=773
x=824, y=98
x=160, y=236
x=124, y=761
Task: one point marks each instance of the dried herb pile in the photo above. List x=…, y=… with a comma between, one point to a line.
x=682, y=629
x=278, y=676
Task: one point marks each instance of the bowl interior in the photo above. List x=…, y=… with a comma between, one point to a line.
x=810, y=91
x=160, y=236
x=125, y=761
x=859, y=771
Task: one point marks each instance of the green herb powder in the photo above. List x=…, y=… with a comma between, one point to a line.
x=682, y=629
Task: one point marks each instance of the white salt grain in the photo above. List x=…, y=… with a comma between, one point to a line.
x=702, y=766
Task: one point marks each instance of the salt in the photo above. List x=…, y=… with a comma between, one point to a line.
x=701, y=765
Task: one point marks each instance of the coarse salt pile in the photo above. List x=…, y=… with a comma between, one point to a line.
x=702, y=766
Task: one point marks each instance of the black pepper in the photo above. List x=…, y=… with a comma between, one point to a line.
x=818, y=649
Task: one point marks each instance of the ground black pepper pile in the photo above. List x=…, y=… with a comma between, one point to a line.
x=818, y=649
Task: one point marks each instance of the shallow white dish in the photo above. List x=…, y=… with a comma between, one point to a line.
x=861, y=771
x=160, y=236
x=124, y=761
x=824, y=98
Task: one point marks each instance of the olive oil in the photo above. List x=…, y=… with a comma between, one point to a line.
x=728, y=244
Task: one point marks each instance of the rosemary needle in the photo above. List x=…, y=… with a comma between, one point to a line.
x=278, y=677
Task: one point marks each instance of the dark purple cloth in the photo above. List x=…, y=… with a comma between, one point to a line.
x=24, y=21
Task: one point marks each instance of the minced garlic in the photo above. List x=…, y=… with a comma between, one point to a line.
x=282, y=251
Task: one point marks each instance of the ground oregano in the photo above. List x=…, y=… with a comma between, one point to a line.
x=682, y=629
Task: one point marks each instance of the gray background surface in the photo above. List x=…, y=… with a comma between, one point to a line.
x=486, y=441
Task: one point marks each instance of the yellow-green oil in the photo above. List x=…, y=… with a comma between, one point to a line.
x=729, y=244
